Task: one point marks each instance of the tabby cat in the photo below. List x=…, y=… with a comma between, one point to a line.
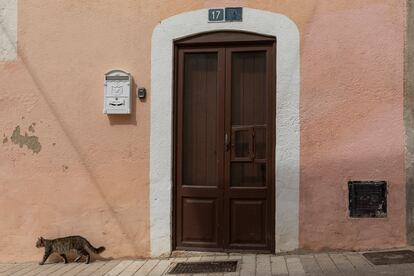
x=66, y=244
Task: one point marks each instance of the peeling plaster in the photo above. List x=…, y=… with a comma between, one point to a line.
x=31, y=128
x=30, y=141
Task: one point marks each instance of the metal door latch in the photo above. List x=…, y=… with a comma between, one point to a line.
x=226, y=142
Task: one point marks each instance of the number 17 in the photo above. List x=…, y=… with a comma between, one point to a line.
x=216, y=14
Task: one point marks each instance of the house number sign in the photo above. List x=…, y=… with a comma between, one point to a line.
x=225, y=14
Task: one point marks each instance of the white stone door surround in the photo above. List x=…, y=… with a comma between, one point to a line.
x=287, y=119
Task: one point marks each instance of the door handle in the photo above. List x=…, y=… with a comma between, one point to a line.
x=226, y=142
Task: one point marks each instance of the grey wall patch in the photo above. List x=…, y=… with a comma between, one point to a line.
x=409, y=121
x=8, y=30
x=31, y=142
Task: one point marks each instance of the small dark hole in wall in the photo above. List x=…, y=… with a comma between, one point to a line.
x=367, y=199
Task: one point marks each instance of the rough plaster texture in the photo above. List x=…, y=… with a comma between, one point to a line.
x=8, y=30
x=409, y=120
x=91, y=176
x=287, y=119
x=352, y=124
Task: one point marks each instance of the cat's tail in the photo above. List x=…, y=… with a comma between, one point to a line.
x=95, y=250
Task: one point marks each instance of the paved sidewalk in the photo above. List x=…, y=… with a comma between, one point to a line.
x=249, y=265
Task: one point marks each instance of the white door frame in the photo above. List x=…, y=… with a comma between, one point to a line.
x=287, y=119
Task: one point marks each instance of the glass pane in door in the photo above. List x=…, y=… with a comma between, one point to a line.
x=248, y=174
x=248, y=88
x=200, y=119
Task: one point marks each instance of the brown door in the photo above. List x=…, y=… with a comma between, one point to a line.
x=224, y=145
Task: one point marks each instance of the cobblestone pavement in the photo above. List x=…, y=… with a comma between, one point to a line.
x=351, y=263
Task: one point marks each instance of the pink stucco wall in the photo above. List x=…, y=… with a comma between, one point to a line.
x=352, y=124
x=91, y=174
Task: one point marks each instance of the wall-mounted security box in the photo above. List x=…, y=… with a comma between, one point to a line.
x=367, y=199
x=117, y=92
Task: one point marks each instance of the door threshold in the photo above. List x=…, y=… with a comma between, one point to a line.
x=198, y=253
x=190, y=253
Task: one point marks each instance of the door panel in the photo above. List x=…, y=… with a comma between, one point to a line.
x=201, y=212
x=224, y=153
x=249, y=173
x=248, y=223
x=199, y=156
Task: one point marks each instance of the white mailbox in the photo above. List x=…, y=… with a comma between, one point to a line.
x=117, y=92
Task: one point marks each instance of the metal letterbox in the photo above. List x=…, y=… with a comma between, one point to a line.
x=117, y=92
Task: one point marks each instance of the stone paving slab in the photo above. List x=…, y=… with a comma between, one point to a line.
x=348, y=263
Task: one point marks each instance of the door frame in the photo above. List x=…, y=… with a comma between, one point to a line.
x=287, y=116
x=231, y=39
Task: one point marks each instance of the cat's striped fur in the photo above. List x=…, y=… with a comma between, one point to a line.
x=62, y=246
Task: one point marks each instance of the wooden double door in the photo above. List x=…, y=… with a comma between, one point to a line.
x=224, y=143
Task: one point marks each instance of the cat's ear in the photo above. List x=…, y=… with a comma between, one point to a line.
x=41, y=238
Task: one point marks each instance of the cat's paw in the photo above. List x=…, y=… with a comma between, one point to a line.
x=77, y=260
x=41, y=263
